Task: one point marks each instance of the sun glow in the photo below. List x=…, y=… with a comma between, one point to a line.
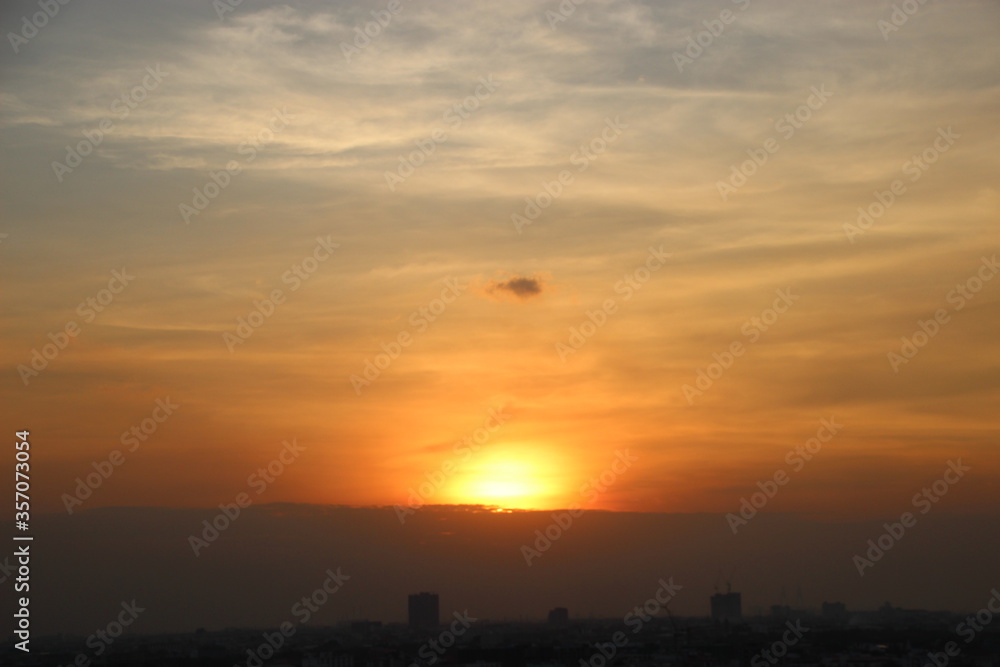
x=509, y=479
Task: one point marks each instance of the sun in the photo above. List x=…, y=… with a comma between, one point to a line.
x=510, y=479
x=506, y=480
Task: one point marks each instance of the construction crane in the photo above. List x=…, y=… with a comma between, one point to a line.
x=728, y=580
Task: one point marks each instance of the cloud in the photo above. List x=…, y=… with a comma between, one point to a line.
x=519, y=287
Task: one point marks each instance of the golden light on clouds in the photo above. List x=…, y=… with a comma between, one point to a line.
x=480, y=117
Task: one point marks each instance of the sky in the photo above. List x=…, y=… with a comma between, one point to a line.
x=650, y=257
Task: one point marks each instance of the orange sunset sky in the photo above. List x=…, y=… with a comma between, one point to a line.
x=368, y=180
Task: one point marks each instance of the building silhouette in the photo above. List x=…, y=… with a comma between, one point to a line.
x=780, y=611
x=559, y=616
x=727, y=607
x=835, y=611
x=423, y=611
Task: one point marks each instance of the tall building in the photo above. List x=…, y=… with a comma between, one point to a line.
x=727, y=607
x=423, y=611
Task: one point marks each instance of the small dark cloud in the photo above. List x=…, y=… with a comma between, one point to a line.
x=519, y=287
